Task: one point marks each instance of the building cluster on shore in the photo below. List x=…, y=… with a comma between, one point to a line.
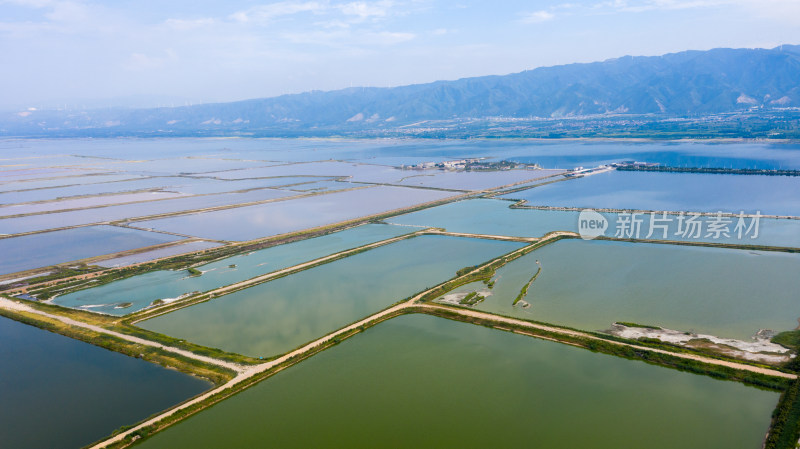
x=469, y=164
x=446, y=165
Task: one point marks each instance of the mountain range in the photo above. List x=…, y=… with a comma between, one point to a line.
x=685, y=84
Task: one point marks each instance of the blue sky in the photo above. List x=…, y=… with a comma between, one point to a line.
x=150, y=52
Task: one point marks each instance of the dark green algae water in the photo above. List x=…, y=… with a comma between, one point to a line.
x=422, y=381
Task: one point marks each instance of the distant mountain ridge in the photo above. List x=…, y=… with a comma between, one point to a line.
x=688, y=83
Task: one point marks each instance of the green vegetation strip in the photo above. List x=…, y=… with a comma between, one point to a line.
x=525, y=288
x=471, y=299
x=642, y=326
x=785, y=428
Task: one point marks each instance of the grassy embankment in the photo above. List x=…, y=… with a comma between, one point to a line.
x=785, y=428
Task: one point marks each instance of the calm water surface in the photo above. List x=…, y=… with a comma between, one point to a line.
x=104, y=214
x=56, y=392
x=772, y=195
x=40, y=250
x=263, y=220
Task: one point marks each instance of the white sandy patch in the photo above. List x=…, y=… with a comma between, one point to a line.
x=11, y=281
x=455, y=298
x=760, y=349
x=169, y=300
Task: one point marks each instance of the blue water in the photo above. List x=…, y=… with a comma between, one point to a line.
x=771, y=195
x=123, y=211
x=50, y=248
x=566, y=154
x=264, y=220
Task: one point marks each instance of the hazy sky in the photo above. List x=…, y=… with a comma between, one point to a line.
x=148, y=52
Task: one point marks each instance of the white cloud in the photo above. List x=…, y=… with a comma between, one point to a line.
x=349, y=39
x=28, y=3
x=333, y=24
x=265, y=13
x=657, y=5
x=782, y=10
x=537, y=17
x=188, y=24
x=364, y=10
x=56, y=10
x=68, y=12
x=389, y=38
x=342, y=13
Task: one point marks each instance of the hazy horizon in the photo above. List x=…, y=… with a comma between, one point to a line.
x=142, y=54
